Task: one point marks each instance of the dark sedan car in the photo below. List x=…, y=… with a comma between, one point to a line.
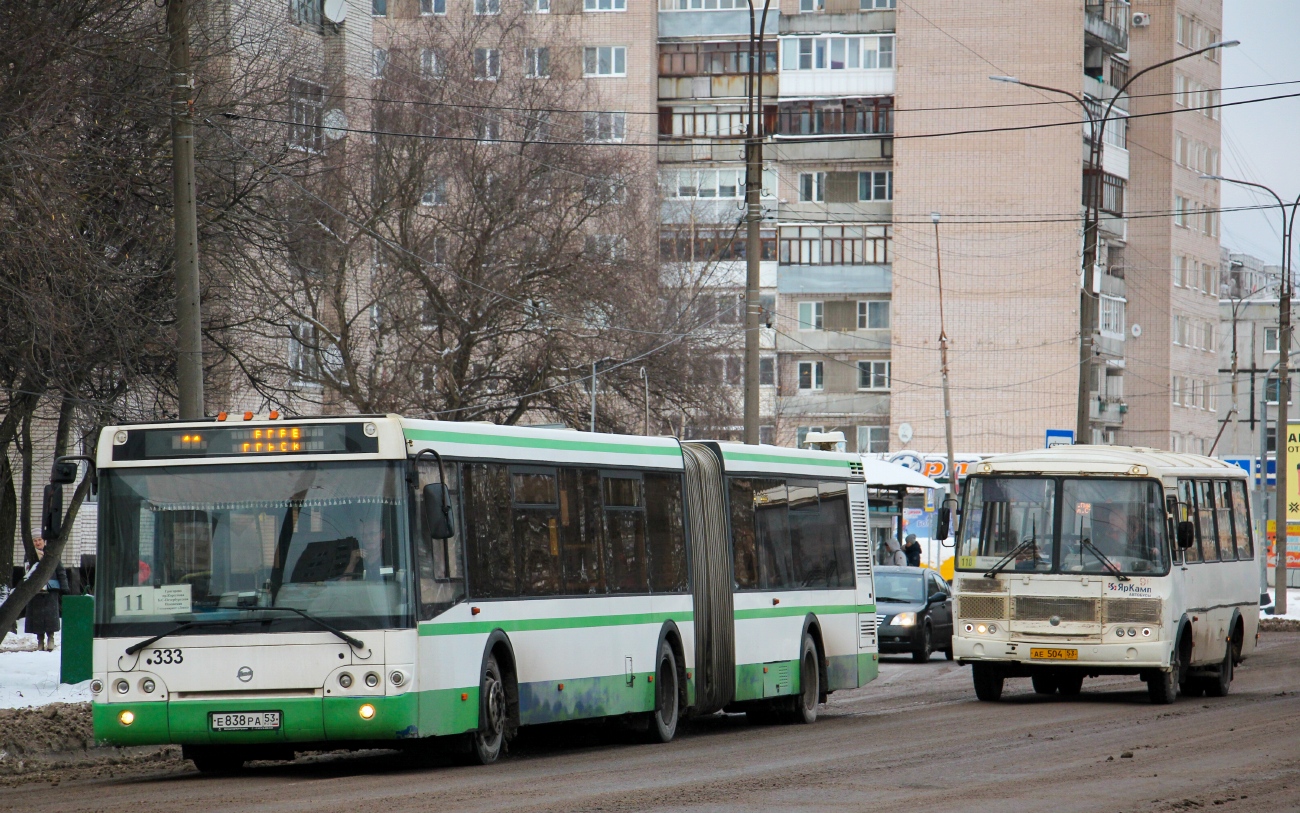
x=913, y=612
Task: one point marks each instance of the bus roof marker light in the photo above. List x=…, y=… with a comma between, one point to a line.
x=366, y=711
x=248, y=416
x=221, y=416
x=274, y=416
x=1137, y=470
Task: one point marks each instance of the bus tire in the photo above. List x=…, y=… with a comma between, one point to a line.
x=487, y=744
x=663, y=720
x=1070, y=684
x=213, y=759
x=1218, y=685
x=804, y=704
x=1163, y=687
x=1044, y=683
x=988, y=681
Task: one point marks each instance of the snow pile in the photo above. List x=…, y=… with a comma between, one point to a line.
x=1292, y=605
x=31, y=678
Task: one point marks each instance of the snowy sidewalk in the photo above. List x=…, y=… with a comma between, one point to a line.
x=31, y=678
x=1292, y=604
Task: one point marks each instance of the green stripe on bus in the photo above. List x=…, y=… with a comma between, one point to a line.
x=542, y=443
x=784, y=612
x=754, y=457
x=535, y=624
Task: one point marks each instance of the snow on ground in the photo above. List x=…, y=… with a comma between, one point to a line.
x=31, y=678
x=1292, y=604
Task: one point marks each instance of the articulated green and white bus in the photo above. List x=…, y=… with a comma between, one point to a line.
x=271, y=586
x=1079, y=561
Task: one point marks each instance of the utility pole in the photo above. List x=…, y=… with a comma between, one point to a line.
x=645, y=379
x=753, y=217
x=189, y=326
x=943, y=363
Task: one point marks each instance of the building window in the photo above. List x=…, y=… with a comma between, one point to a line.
x=604, y=60
x=810, y=315
x=305, y=12
x=1182, y=210
x=537, y=126
x=488, y=128
x=873, y=375
x=1112, y=192
x=306, y=106
x=873, y=314
x=873, y=439
x=432, y=65
x=487, y=6
x=433, y=6
x=604, y=5
x=801, y=434
x=1112, y=317
x=1270, y=340
x=809, y=6
x=379, y=62
x=810, y=376
x=766, y=433
x=834, y=245
x=812, y=187
x=487, y=64
x=608, y=127
x=837, y=53
x=378, y=8
x=304, y=365
x=1270, y=390
x=840, y=117
x=871, y=5
x=706, y=183
x=435, y=194
x=767, y=371
x=537, y=6
x=537, y=62
x=876, y=185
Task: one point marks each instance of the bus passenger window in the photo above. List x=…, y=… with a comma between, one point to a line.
x=743, y=541
x=1205, y=520
x=666, y=532
x=624, y=534
x=581, y=552
x=1187, y=513
x=489, y=543
x=1223, y=515
x=772, y=534
x=1241, y=520
x=807, y=562
x=537, y=532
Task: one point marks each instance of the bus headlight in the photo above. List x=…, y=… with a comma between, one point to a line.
x=96, y=686
x=904, y=620
x=345, y=680
x=1146, y=632
x=123, y=687
x=367, y=711
x=372, y=680
x=993, y=628
x=397, y=678
x=147, y=686
x=970, y=627
x=981, y=628
x=1119, y=632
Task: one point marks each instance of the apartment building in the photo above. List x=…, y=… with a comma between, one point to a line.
x=1248, y=355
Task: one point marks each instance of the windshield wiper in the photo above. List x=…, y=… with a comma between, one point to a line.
x=355, y=643
x=184, y=625
x=1111, y=566
x=1006, y=560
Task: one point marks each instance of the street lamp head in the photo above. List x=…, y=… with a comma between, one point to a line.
x=1011, y=79
x=1224, y=44
x=1213, y=178
x=934, y=217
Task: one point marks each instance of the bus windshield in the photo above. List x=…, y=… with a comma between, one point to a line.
x=182, y=543
x=1106, y=525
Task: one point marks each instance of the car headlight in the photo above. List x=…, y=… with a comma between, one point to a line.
x=904, y=620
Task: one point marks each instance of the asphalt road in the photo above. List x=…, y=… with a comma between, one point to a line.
x=914, y=740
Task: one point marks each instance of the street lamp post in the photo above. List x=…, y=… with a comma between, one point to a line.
x=1092, y=222
x=943, y=362
x=1287, y=290
x=593, y=388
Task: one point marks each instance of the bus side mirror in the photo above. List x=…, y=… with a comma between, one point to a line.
x=52, y=512
x=945, y=522
x=437, y=511
x=1186, y=534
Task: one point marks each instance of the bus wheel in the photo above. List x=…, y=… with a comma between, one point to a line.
x=804, y=709
x=1162, y=687
x=988, y=681
x=1218, y=685
x=663, y=721
x=1044, y=683
x=1070, y=684
x=213, y=759
x=489, y=741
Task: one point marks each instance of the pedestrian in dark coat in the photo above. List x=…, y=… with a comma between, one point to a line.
x=43, y=610
x=912, y=550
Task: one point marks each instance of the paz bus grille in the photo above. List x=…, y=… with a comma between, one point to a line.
x=1041, y=608
x=1132, y=611
x=981, y=606
x=980, y=586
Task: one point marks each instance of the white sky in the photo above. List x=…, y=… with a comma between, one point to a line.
x=1260, y=140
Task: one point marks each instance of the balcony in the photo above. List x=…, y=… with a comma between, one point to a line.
x=856, y=22
x=1106, y=24
x=1106, y=411
x=834, y=403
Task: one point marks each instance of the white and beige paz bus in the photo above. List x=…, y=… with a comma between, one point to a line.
x=1080, y=561
x=272, y=586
